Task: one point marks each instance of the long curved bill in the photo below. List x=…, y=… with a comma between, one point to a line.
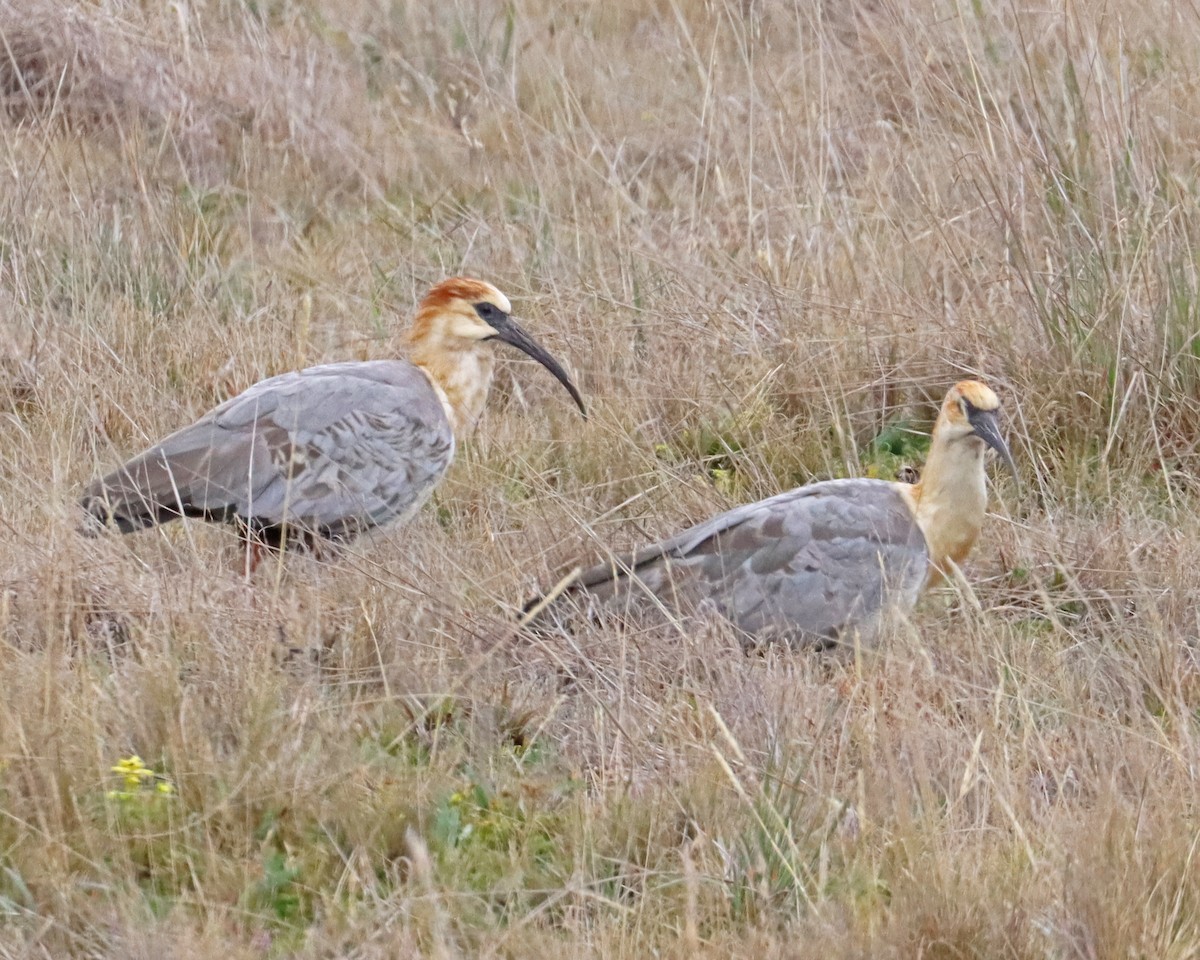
x=511, y=332
x=987, y=429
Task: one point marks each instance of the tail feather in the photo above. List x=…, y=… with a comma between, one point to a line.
x=107, y=505
x=582, y=592
x=119, y=501
x=534, y=611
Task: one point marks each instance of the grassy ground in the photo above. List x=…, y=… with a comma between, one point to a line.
x=766, y=236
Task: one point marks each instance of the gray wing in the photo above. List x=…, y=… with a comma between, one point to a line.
x=334, y=449
x=802, y=566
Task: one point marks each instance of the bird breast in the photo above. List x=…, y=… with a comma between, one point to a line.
x=461, y=379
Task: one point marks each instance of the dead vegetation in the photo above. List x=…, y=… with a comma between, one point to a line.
x=766, y=236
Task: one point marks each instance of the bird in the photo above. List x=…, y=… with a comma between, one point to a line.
x=318, y=456
x=819, y=565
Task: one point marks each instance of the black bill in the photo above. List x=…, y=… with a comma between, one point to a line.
x=987, y=429
x=508, y=330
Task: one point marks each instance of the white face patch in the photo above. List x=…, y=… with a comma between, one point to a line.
x=499, y=299
x=469, y=328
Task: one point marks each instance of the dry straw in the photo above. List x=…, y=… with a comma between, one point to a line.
x=766, y=236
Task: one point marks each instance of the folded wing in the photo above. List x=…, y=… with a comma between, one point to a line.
x=804, y=566
x=334, y=449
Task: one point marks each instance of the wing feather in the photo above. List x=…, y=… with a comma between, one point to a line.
x=336, y=449
x=804, y=566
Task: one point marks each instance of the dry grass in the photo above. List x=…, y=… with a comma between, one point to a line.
x=767, y=236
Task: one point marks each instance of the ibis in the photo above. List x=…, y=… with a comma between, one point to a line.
x=822, y=563
x=326, y=453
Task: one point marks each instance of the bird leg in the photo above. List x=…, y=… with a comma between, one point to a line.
x=254, y=553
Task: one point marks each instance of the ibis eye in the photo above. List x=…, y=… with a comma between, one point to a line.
x=487, y=311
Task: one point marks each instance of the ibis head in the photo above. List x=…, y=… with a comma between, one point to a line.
x=453, y=322
x=950, y=499
x=970, y=413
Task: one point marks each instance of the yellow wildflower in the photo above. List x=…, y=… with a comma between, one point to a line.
x=134, y=770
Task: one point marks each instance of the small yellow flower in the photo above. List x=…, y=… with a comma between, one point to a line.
x=137, y=775
x=724, y=480
x=133, y=767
